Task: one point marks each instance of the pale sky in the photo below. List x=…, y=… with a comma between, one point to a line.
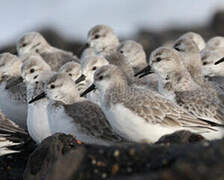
x=73, y=18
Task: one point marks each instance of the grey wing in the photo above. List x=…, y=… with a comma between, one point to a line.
x=218, y=84
x=92, y=120
x=156, y=109
x=18, y=92
x=201, y=104
x=58, y=58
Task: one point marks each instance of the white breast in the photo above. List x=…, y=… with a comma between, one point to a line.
x=133, y=127
x=37, y=120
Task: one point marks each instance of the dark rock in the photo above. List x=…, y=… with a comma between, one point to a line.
x=181, y=137
x=60, y=157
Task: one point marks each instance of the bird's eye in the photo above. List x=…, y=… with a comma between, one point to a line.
x=24, y=44
x=94, y=68
x=121, y=51
x=158, y=59
x=32, y=70
x=96, y=36
x=52, y=86
x=37, y=50
x=204, y=63
x=70, y=74
x=101, y=77
x=37, y=82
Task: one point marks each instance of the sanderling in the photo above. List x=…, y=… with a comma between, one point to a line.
x=135, y=54
x=73, y=69
x=177, y=83
x=34, y=43
x=215, y=43
x=210, y=67
x=103, y=39
x=191, y=58
x=197, y=38
x=122, y=62
x=70, y=114
x=12, y=100
x=88, y=66
x=35, y=72
x=142, y=115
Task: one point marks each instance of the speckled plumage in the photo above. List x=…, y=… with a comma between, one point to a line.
x=143, y=104
x=197, y=38
x=135, y=54
x=73, y=69
x=34, y=43
x=121, y=61
x=68, y=113
x=102, y=39
x=13, y=100
x=195, y=99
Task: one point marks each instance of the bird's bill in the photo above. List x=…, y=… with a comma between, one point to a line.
x=89, y=89
x=14, y=82
x=38, y=97
x=80, y=79
x=219, y=61
x=147, y=70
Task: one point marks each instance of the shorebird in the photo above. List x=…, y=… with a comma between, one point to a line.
x=177, y=84
x=102, y=39
x=34, y=43
x=70, y=114
x=12, y=100
x=142, y=115
x=135, y=54
x=35, y=73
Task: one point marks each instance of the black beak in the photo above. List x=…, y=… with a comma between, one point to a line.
x=82, y=48
x=40, y=96
x=80, y=79
x=14, y=82
x=89, y=89
x=219, y=61
x=147, y=70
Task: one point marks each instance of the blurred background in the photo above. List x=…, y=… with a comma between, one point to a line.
x=65, y=24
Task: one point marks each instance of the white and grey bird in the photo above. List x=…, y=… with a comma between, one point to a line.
x=135, y=54
x=121, y=61
x=70, y=114
x=177, y=84
x=102, y=39
x=35, y=73
x=73, y=69
x=197, y=38
x=89, y=65
x=12, y=100
x=142, y=115
x=209, y=59
x=215, y=43
x=34, y=43
x=191, y=58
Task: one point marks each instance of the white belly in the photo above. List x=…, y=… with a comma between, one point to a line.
x=133, y=127
x=14, y=110
x=37, y=120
